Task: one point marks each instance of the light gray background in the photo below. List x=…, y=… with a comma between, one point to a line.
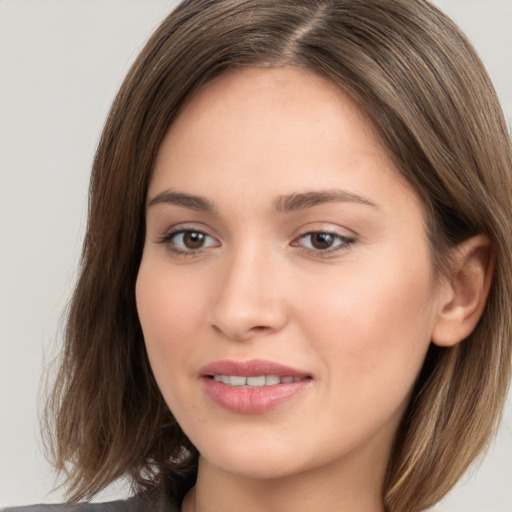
x=61, y=63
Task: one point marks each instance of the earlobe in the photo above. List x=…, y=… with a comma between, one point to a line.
x=464, y=292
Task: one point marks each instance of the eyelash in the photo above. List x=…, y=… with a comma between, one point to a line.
x=344, y=243
x=167, y=239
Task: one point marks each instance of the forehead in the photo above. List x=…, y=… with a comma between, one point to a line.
x=261, y=132
x=271, y=103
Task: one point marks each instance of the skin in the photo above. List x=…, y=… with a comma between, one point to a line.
x=357, y=318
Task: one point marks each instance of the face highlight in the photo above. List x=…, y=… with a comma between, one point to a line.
x=286, y=290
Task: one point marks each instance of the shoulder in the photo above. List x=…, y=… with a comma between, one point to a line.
x=134, y=504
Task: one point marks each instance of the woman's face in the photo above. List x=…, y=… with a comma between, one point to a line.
x=286, y=292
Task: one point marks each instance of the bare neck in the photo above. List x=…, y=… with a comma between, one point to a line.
x=354, y=489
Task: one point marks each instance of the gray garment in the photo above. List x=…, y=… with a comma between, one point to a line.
x=133, y=504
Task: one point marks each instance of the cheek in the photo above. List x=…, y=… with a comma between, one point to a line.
x=374, y=300
x=373, y=323
x=169, y=313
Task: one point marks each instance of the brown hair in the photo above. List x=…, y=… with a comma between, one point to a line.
x=420, y=81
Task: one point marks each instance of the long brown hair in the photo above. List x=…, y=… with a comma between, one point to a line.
x=420, y=81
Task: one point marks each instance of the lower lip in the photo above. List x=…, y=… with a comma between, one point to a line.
x=247, y=400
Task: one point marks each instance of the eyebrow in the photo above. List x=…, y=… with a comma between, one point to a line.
x=295, y=202
x=283, y=204
x=189, y=201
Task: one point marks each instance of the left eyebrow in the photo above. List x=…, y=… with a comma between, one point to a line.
x=305, y=200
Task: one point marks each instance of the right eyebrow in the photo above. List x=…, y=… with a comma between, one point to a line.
x=189, y=201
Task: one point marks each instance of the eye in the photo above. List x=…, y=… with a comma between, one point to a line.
x=188, y=241
x=323, y=241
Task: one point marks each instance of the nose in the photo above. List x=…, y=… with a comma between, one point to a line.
x=250, y=299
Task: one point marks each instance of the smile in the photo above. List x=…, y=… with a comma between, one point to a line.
x=254, y=386
x=255, y=382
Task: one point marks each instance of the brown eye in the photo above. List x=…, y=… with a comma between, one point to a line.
x=321, y=240
x=188, y=241
x=193, y=239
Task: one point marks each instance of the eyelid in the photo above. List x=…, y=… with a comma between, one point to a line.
x=326, y=226
x=167, y=237
x=326, y=232
x=344, y=242
x=181, y=227
x=341, y=241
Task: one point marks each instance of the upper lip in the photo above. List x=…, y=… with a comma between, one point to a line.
x=251, y=368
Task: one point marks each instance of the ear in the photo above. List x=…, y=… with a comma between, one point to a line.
x=464, y=293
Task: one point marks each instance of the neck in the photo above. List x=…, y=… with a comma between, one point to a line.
x=354, y=489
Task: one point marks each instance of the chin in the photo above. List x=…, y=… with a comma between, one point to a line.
x=263, y=469
x=260, y=460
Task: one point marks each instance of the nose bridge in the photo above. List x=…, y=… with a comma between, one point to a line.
x=248, y=299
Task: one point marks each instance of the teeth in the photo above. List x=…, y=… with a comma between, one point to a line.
x=235, y=380
x=255, y=382
x=270, y=380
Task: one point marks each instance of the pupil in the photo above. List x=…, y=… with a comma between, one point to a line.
x=322, y=240
x=193, y=239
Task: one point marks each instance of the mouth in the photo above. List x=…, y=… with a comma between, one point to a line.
x=253, y=368
x=255, y=382
x=250, y=387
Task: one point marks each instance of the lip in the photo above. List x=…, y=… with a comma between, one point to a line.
x=247, y=400
x=251, y=368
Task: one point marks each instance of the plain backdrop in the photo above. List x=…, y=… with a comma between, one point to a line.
x=61, y=63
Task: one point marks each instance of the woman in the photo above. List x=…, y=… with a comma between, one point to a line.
x=295, y=288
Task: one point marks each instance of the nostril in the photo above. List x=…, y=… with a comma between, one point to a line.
x=240, y=320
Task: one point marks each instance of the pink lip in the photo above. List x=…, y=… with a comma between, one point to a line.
x=247, y=400
x=251, y=368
